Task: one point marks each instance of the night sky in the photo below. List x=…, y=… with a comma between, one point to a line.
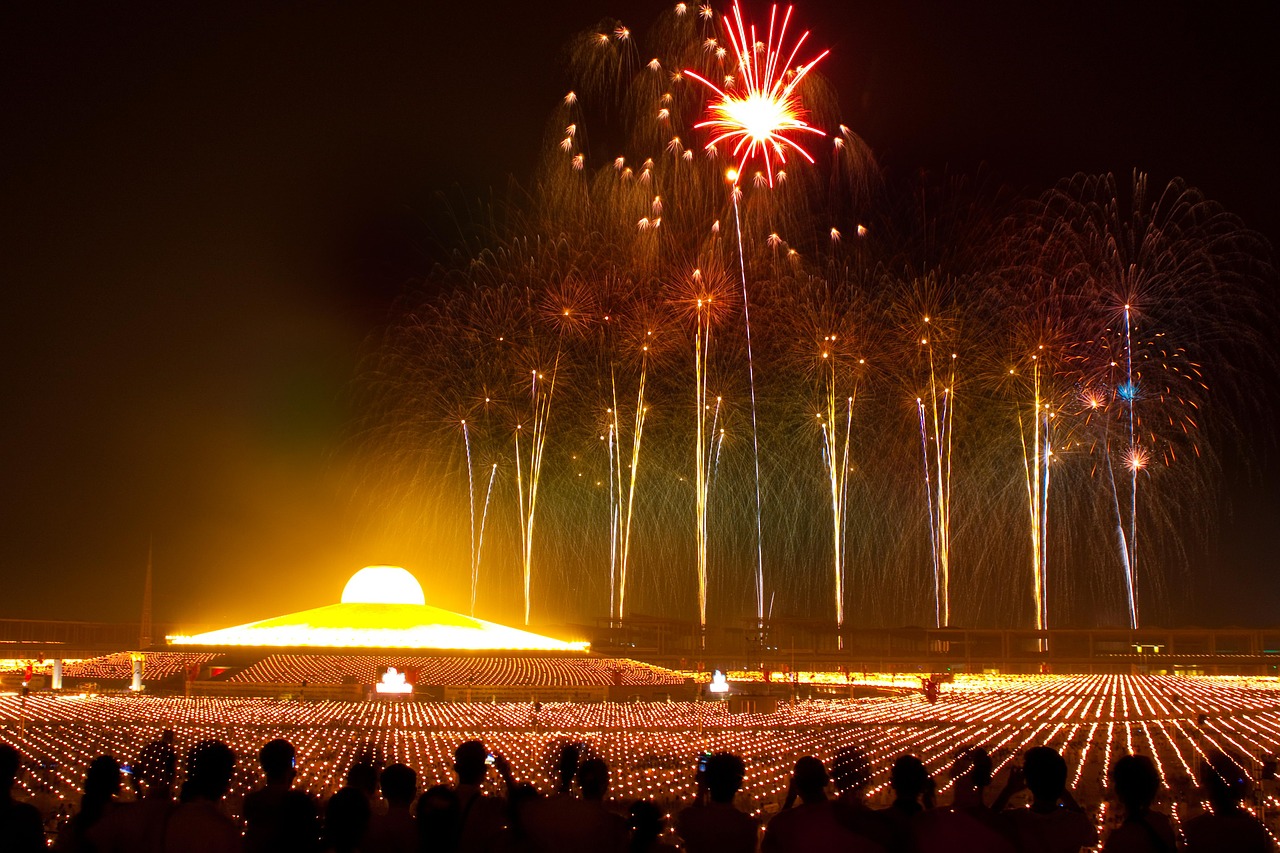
x=208, y=209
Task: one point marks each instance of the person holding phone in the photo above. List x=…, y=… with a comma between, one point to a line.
x=713, y=824
x=1054, y=822
x=481, y=815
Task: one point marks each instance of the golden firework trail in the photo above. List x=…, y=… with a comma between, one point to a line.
x=1036, y=455
x=706, y=453
x=1135, y=459
x=527, y=487
x=835, y=456
x=936, y=417
x=477, y=537
x=623, y=487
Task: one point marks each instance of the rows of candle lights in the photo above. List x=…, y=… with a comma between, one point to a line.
x=118, y=665
x=318, y=669
x=436, y=670
x=652, y=747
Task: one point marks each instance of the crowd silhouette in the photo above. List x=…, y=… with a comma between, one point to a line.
x=380, y=810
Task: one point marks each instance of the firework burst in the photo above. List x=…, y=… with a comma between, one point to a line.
x=614, y=236
x=758, y=111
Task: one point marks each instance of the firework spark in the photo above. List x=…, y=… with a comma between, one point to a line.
x=760, y=111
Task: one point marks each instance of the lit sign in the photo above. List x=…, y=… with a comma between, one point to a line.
x=393, y=681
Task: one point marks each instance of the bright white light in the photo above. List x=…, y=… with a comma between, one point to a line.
x=393, y=681
x=383, y=585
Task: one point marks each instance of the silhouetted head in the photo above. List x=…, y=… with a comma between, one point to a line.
x=1136, y=782
x=811, y=779
x=567, y=765
x=468, y=762
x=9, y=762
x=155, y=768
x=850, y=770
x=1046, y=773
x=438, y=816
x=1223, y=780
x=724, y=776
x=278, y=760
x=209, y=767
x=399, y=784
x=346, y=819
x=102, y=782
x=519, y=796
x=909, y=778
x=973, y=764
x=363, y=776
x=646, y=822
x=593, y=779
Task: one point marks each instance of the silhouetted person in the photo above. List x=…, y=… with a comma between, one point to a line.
x=278, y=817
x=481, y=816
x=971, y=776
x=646, y=823
x=521, y=800
x=396, y=831
x=346, y=820
x=1053, y=823
x=912, y=793
x=968, y=825
x=21, y=829
x=438, y=818
x=363, y=776
x=712, y=824
x=851, y=774
x=198, y=825
x=567, y=767
x=605, y=827
x=814, y=824
x=101, y=784
x=128, y=827
x=1135, y=782
x=1228, y=827
x=563, y=822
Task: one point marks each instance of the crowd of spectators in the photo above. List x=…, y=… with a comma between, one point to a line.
x=381, y=810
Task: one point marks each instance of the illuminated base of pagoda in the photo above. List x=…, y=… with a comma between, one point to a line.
x=379, y=626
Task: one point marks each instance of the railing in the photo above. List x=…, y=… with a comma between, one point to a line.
x=804, y=644
x=105, y=635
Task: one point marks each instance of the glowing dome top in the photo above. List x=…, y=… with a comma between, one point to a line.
x=382, y=607
x=383, y=585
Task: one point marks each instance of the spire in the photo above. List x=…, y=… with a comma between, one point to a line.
x=144, y=633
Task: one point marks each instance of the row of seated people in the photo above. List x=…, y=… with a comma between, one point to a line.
x=472, y=817
x=513, y=671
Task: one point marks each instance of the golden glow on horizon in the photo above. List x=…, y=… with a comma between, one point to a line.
x=422, y=637
x=382, y=607
x=379, y=626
